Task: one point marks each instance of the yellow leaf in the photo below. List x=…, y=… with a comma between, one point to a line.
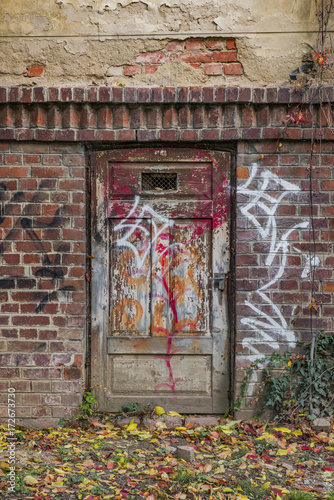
x=173, y=414
x=289, y=364
x=297, y=432
x=219, y=469
x=161, y=426
x=30, y=480
x=153, y=440
x=109, y=426
x=266, y=485
x=312, y=444
x=282, y=429
x=207, y=467
x=242, y=497
x=132, y=426
x=329, y=448
x=227, y=490
x=159, y=410
x=281, y=452
x=182, y=429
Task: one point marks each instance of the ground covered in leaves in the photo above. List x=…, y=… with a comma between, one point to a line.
x=235, y=460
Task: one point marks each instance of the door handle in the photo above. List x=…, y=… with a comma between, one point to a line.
x=221, y=281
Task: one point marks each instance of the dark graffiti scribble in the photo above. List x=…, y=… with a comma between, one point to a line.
x=49, y=297
x=49, y=269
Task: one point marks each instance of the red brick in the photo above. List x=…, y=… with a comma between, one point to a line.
x=70, y=117
x=149, y=69
x=153, y=58
x=189, y=135
x=105, y=117
x=175, y=46
x=88, y=117
x=213, y=69
x=168, y=135
x=210, y=134
x=130, y=94
x=6, y=134
x=38, y=117
x=44, y=135
x=132, y=70
x=233, y=69
x=92, y=94
x=30, y=320
x=194, y=45
x=215, y=45
x=230, y=44
x=170, y=117
x=224, y=56
x=72, y=373
x=196, y=57
x=9, y=373
x=41, y=373
x=121, y=117
x=35, y=71
x=6, y=116
x=105, y=135
x=66, y=94
x=104, y=94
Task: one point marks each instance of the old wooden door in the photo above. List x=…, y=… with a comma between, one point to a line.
x=161, y=255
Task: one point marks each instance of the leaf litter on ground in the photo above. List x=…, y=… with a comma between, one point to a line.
x=235, y=460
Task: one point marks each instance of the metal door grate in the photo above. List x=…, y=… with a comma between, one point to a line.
x=158, y=181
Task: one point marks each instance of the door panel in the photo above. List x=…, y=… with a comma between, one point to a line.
x=159, y=306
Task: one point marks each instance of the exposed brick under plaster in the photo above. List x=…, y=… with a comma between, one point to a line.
x=43, y=226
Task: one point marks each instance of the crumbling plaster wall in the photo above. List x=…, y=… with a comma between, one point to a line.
x=83, y=42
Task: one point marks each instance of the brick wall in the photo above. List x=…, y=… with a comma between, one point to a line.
x=42, y=285
x=211, y=57
x=43, y=135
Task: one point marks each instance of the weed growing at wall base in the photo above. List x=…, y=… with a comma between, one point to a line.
x=289, y=393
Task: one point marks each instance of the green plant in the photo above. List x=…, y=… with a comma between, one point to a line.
x=261, y=446
x=299, y=495
x=305, y=381
x=86, y=409
x=184, y=476
x=239, y=453
x=252, y=491
x=128, y=408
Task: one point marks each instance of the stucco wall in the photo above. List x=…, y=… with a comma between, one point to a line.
x=91, y=41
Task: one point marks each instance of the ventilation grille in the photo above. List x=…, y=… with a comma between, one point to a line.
x=158, y=182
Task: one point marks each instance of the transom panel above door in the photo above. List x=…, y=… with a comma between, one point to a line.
x=160, y=244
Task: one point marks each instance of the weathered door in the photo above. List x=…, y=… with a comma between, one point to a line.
x=161, y=255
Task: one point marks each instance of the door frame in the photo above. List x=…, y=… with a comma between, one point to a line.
x=92, y=382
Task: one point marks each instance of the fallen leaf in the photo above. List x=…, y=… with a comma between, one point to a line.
x=174, y=414
x=159, y=410
x=132, y=426
x=282, y=429
x=281, y=452
x=30, y=480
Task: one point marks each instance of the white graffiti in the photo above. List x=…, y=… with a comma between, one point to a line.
x=159, y=226
x=310, y=262
x=270, y=327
